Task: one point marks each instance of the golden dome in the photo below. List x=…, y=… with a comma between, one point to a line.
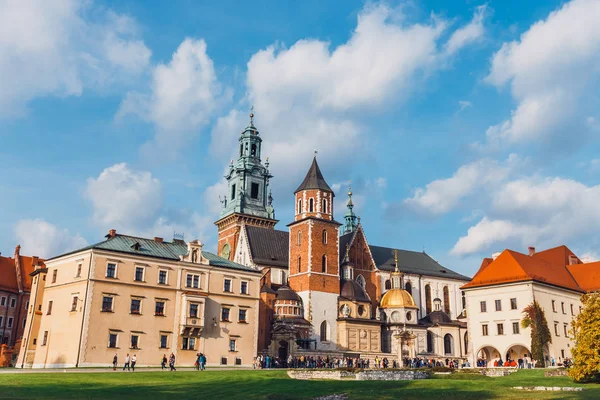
x=397, y=298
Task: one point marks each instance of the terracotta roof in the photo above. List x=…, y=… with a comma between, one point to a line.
x=586, y=275
x=8, y=273
x=511, y=266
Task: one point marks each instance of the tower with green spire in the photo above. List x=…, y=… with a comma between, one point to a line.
x=248, y=199
x=350, y=217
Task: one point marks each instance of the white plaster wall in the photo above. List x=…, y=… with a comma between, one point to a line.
x=320, y=306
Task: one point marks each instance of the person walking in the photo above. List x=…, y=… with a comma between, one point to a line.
x=197, y=363
x=202, y=362
x=127, y=361
x=115, y=362
x=133, y=361
x=172, y=362
x=163, y=362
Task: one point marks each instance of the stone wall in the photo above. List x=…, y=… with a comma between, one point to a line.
x=360, y=375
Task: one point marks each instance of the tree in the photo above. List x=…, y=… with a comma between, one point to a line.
x=535, y=318
x=586, y=352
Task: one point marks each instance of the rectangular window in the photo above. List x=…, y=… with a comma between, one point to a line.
x=572, y=311
x=107, y=304
x=232, y=345
x=162, y=277
x=562, y=353
x=556, y=329
x=242, y=315
x=54, y=274
x=188, y=343
x=193, y=281
x=553, y=305
x=223, y=360
x=498, y=305
x=233, y=192
x=193, y=310
x=227, y=285
x=112, y=340
x=111, y=270
x=136, y=306
x=562, y=306
x=3, y=301
x=500, y=328
x=254, y=191
x=78, y=271
x=515, y=328
x=24, y=322
x=74, y=303
x=49, y=311
x=238, y=361
x=1, y=320
x=566, y=329
x=225, y=314
x=244, y=287
x=45, y=339
x=163, y=341
x=513, y=304
x=139, y=274
x=135, y=341
x=159, y=308
x=13, y=303
x=10, y=322
x=483, y=306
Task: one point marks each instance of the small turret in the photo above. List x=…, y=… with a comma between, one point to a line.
x=350, y=217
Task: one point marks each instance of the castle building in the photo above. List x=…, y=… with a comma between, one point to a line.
x=510, y=281
x=143, y=297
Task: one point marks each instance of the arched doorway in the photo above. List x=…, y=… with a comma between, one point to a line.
x=517, y=351
x=448, y=344
x=283, y=350
x=487, y=354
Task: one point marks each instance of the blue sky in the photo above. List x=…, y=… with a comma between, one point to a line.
x=465, y=127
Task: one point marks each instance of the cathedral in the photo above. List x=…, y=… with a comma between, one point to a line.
x=324, y=288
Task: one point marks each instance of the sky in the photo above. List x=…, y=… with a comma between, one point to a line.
x=464, y=127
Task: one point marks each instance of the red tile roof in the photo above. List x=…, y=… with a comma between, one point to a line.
x=549, y=266
x=586, y=275
x=8, y=273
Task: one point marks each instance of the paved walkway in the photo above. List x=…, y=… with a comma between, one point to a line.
x=109, y=370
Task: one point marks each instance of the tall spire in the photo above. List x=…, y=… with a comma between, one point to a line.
x=350, y=217
x=396, y=275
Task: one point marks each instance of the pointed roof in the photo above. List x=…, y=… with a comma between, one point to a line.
x=314, y=179
x=587, y=275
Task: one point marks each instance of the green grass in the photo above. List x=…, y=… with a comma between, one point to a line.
x=274, y=384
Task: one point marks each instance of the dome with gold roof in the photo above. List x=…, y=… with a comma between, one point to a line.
x=397, y=298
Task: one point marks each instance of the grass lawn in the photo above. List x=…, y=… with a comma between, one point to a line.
x=274, y=384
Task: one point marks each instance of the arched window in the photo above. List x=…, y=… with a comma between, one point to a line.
x=408, y=287
x=361, y=281
x=430, y=347
x=311, y=205
x=324, y=204
x=448, y=344
x=324, y=236
x=427, y=299
x=324, y=263
x=388, y=284
x=299, y=237
x=299, y=206
x=253, y=150
x=324, y=331
x=446, y=300
x=299, y=264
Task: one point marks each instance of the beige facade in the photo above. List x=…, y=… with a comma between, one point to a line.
x=96, y=303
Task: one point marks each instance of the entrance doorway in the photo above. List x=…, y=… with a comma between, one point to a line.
x=283, y=351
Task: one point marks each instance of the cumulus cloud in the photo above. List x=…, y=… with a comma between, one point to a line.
x=469, y=33
x=63, y=48
x=552, y=71
x=41, y=238
x=183, y=96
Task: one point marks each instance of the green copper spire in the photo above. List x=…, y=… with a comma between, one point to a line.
x=350, y=217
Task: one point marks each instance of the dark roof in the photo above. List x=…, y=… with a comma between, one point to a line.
x=345, y=241
x=351, y=290
x=266, y=289
x=285, y=293
x=152, y=248
x=440, y=318
x=411, y=262
x=268, y=246
x=314, y=179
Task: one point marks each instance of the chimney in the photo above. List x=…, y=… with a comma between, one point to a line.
x=34, y=260
x=573, y=259
x=531, y=250
x=18, y=268
x=17, y=251
x=158, y=239
x=112, y=233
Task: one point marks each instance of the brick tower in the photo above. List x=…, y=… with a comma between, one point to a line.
x=314, y=256
x=248, y=199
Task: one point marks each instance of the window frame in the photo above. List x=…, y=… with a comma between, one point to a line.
x=516, y=328
x=135, y=273
x=9, y=322
x=311, y=205
x=74, y=303
x=110, y=335
x=500, y=328
x=188, y=343
x=54, y=275
x=166, y=271
x=483, y=306
x=225, y=281
x=2, y=301
x=513, y=302
x=156, y=312
x=556, y=331
x=13, y=302
x=484, y=330
x=45, y=338
x=228, y=312
x=112, y=304
x=115, y=273
x=139, y=308
x=245, y=284
x=194, y=277
x=254, y=185
x=137, y=341
x=324, y=236
x=554, y=306
x=78, y=271
x=160, y=340
x=498, y=304
x=233, y=349
x=49, y=307
x=245, y=319
x=196, y=307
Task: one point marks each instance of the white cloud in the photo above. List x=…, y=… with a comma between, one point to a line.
x=442, y=195
x=553, y=72
x=534, y=211
x=41, y=238
x=464, y=104
x=469, y=33
x=63, y=48
x=184, y=95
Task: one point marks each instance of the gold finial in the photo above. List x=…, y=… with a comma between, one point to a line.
x=396, y=260
x=349, y=188
x=252, y=114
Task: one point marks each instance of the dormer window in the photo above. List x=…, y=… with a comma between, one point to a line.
x=136, y=246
